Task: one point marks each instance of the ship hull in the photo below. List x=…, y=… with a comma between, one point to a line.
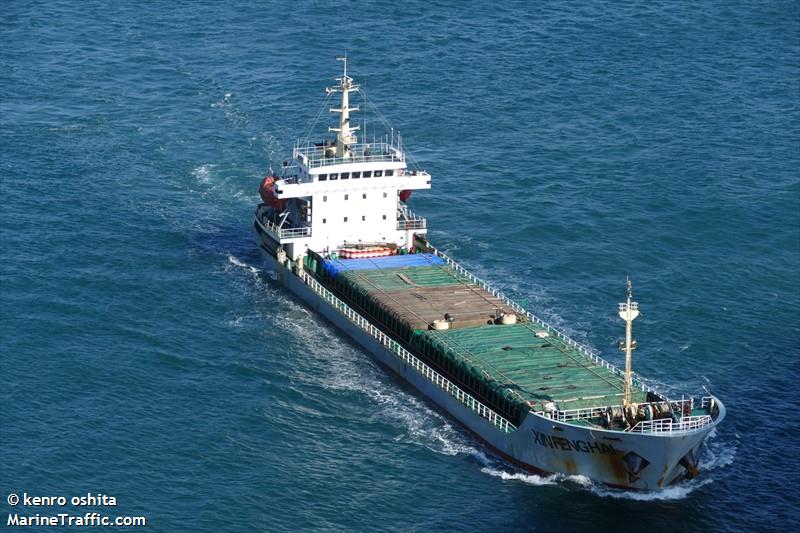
x=540, y=445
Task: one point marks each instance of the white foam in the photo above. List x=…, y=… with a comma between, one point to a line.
x=715, y=455
x=530, y=479
x=578, y=479
x=237, y=263
x=245, y=320
x=352, y=370
x=674, y=492
x=202, y=173
x=680, y=491
x=224, y=102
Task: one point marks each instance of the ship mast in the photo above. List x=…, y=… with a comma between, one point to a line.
x=628, y=311
x=344, y=133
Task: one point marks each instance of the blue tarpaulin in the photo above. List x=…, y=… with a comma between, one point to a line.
x=334, y=266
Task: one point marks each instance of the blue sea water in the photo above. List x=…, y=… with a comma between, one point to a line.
x=145, y=355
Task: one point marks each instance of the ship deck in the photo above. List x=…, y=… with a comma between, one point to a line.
x=407, y=293
x=540, y=369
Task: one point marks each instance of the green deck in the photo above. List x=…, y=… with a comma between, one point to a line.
x=507, y=367
x=394, y=279
x=539, y=370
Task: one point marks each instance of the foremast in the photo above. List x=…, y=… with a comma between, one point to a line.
x=344, y=133
x=628, y=311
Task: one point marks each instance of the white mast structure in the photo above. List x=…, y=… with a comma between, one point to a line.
x=628, y=311
x=344, y=133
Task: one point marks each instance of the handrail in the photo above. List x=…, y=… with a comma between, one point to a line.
x=315, y=156
x=584, y=350
x=407, y=219
x=283, y=233
x=433, y=376
x=414, y=223
x=667, y=425
x=585, y=413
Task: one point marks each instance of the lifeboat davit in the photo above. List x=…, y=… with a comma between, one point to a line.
x=266, y=190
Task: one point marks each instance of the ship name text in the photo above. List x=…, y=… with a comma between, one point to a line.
x=550, y=441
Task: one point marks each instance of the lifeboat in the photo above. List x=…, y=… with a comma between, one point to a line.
x=405, y=195
x=266, y=190
x=366, y=252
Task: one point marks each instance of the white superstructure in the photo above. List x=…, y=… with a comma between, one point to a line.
x=344, y=192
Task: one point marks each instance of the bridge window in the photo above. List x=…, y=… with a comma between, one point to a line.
x=323, y=177
x=367, y=173
x=384, y=217
x=390, y=172
x=324, y=220
x=346, y=196
x=356, y=175
x=363, y=218
x=364, y=196
x=345, y=175
x=384, y=195
x=324, y=198
x=345, y=219
x=334, y=176
x=378, y=173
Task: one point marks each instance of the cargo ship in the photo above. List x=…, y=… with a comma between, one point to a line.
x=335, y=228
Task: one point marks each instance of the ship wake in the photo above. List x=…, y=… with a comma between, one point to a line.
x=417, y=422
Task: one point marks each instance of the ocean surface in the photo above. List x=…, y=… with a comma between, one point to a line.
x=145, y=354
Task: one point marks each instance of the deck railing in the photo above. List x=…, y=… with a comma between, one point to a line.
x=570, y=415
x=417, y=223
x=315, y=156
x=582, y=349
x=662, y=425
x=587, y=413
x=407, y=219
x=282, y=233
x=667, y=425
x=433, y=376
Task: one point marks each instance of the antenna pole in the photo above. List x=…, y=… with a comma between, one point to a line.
x=344, y=137
x=628, y=311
